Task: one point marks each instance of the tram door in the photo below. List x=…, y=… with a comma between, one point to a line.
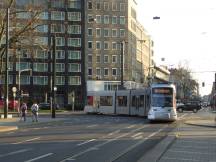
x=135, y=104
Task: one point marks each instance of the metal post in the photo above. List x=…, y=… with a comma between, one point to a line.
x=6, y=66
x=54, y=76
x=122, y=65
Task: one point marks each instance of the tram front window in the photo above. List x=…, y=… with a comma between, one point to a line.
x=162, y=101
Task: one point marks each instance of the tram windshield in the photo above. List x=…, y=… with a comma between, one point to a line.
x=162, y=97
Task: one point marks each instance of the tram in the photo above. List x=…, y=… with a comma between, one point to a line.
x=163, y=102
x=157, y=102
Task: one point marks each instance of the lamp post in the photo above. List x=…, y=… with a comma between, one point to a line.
x=6, y=65
x=54, y=88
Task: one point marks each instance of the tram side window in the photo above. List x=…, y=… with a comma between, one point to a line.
x=122, y=100
x=141, y=101
x=90, y=100
x=106, y=100
x=133, y=101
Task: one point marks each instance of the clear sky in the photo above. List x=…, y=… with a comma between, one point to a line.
x=186, y=32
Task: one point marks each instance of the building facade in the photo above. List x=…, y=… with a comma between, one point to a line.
x=64, y=19
x=115, y=33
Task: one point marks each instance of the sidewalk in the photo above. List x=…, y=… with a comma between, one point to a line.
x=14, y=123
x=193, y=141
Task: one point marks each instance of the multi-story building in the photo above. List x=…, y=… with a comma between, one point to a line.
x=115, y=24
x=64, y=19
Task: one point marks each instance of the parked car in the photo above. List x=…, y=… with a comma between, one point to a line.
x=46, y=106
x=189, y=106
x=12, y=105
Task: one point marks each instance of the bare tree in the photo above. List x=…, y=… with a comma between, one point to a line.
x=24, y=19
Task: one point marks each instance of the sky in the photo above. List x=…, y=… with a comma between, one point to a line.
x=185, y=33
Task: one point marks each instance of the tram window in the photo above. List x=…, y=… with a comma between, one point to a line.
x=106, y=100
x=133, y=100
x=122, y=100
x=141, y=101
x=90, y=100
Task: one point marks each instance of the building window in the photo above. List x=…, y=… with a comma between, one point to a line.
x=98, y=32
x=60, y=67
x=98, y=19
x=114, y=20
x=57, y=28
x=122, y=33
x=98, y=59
x=22, y=66
x=74, y=80
x=40, y=80
x=106, y=6
x=74, y=4
x=90, y=44
x=40, y=67
x=114, y=32
x=122, y=6
x=122, y=20
x=74, y=16
x=90, y=71
x=98, y=72
x=90, y=6
x=98, y=5
x=41, y=54
x=60, y=80
x=24, y=79
x=90, y=31
x=74, y=55
x=90, y=18
x=114, y=71
x=74, y=42
x=57, y=3
x=44, y=16
x=57, y=15
x=114, y=59
x=106, y=71
x=106, y=59
x=114, y=6
x=42, y=28
x=106, y=32
x=114, y=46
x=60, y=54
x=98, y=45
x=60, y=41
x=106, y=19
x=89, y=58
x=73, y=67
x=106, y=45
x=74, y=29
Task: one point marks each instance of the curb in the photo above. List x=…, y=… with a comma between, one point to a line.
x=157, y=152
x=8, y=128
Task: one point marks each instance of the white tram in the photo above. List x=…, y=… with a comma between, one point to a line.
x=121, y=102
x=163, y=102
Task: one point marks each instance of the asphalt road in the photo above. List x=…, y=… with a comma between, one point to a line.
x=84, y=138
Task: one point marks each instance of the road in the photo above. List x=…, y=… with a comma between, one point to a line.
x=84, y=138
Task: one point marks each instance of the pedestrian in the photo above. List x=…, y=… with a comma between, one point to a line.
x=23, y=109
x=34, y=110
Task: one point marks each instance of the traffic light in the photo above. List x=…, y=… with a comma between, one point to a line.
x=203, y=84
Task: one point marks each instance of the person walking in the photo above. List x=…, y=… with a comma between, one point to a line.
x=23, y=109
x=34, y=110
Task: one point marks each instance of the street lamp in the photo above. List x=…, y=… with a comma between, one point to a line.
x=6, y=65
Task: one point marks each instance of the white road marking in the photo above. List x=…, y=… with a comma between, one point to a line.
x=190, y=152
x=39, y=157
x=131, y=126
x=91, y=126
x=181, y=117
x=183, y=159
x=86, y=142
x=15, y=152
x=138, y=134
x=96, y=147
x=112, y=133
x=33, y=139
